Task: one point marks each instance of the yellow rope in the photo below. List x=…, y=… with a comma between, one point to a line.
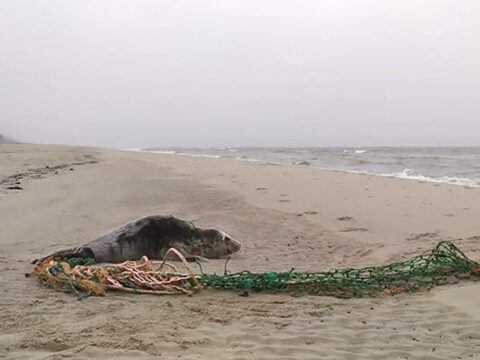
x=144, y=276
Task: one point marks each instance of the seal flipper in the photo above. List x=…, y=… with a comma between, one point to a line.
x=67, y=254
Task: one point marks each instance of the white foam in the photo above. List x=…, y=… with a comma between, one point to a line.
x=200, y=155
x=166, y=152
x=350, y=151
x=246, y=159
x=452, y=180
x=132, y=149
x=408, y=174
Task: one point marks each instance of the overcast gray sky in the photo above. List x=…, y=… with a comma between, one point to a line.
x=239, y=73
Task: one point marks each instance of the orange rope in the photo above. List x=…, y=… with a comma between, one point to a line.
x=144, y=276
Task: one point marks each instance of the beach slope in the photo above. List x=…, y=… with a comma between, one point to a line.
x=53, y=197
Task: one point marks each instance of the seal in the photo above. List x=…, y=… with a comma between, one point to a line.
x=153, y=236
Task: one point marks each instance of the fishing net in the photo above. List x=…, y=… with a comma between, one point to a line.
x=444, y=264
x=85, y=278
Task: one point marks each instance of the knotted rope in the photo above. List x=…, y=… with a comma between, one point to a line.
x=141, y=277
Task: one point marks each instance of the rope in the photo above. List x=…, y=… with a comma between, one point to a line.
x=444, y=264
x=142, y=277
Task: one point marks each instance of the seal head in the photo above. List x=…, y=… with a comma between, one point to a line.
x=211, y=244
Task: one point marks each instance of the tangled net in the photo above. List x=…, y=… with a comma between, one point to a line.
x=142, y=277
x=444, y=264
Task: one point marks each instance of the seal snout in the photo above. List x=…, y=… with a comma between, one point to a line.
x=232, y=245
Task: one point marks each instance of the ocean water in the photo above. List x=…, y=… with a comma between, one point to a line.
x=451, y=165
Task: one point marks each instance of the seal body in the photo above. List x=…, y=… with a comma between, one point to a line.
x=153, y=236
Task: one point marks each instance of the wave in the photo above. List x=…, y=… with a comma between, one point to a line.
x=200, y=155
x=132, y=149
x=351, y=151
x=452, y=180
x=247, y=159
x=408, y=174
x=166, y=152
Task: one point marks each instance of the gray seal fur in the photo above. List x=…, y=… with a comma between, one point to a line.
x=153, y=236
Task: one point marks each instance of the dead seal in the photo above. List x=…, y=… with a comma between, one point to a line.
x=153, y=236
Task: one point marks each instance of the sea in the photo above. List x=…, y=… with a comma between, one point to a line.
x=449, y=165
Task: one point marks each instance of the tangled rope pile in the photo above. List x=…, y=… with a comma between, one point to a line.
x=443, y=264
x=142, y=277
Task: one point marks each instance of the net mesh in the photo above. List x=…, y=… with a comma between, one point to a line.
x=443, y=264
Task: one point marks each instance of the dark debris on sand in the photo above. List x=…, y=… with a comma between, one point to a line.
x=12, y=182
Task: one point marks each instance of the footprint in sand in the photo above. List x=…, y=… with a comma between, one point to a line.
x=472, y=241
x=346, y=218
x=424, y=236
x=308, y=212
x=354, y=229
x=364, y=253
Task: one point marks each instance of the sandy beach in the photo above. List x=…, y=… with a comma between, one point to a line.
x=284, y=216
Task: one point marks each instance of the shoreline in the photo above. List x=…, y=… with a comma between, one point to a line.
x=444, y=180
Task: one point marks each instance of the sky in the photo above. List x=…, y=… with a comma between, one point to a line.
x=205, y=73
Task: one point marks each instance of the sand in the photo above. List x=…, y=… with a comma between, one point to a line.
x=285, y=216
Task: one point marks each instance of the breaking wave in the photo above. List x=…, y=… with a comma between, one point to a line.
x=200, y=155
x=452, y=180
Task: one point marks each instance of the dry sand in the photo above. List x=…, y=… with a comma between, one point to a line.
x=284, y=216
